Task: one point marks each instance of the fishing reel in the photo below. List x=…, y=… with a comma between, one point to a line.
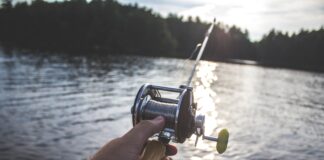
x=181, y=121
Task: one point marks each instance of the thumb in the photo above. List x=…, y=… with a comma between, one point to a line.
x=144, y=130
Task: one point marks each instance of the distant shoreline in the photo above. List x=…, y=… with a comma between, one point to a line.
x=83, y=27
x=98, y=53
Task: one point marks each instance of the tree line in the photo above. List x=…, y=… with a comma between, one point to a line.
x=106, y=26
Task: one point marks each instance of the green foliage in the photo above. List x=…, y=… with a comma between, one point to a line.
x=6, y=4
x=302, y=50
x=78, y=25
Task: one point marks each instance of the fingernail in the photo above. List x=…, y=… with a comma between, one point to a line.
x=158, y=119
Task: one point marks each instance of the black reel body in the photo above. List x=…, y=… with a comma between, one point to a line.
x=178, y=112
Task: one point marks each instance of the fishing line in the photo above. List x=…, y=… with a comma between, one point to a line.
x=180, y=68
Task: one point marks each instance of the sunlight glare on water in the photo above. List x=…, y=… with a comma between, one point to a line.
x=66, y=107
x=206, y=100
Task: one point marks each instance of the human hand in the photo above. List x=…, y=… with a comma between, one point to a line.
x=130, y=146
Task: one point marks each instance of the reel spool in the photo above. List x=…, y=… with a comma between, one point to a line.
x=179, y=113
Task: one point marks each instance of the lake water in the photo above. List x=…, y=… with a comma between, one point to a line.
x=61, y=107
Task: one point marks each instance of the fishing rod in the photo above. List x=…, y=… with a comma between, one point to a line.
x=181, y=121
x=201, y=51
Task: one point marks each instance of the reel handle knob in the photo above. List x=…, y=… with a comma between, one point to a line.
x=222, y=140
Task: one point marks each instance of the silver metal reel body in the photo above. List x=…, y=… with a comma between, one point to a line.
x=179, y=112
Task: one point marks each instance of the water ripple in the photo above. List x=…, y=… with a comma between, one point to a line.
x=62, y=107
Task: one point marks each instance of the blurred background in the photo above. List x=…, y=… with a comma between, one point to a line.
x=70, y=70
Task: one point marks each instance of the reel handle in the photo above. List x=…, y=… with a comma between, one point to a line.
x=222, y=140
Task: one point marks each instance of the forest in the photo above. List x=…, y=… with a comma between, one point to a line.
x=108, y=27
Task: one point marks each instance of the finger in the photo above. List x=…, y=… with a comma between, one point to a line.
x=170, y=150
x=145, y=129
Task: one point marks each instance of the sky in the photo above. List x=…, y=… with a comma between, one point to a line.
x=257, y=16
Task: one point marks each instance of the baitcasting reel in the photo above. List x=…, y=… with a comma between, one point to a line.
x=179, y=113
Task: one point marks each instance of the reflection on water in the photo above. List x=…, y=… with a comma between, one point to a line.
x=206, y=100
x=60, y=107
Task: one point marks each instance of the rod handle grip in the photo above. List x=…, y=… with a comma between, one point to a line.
x=154, y=150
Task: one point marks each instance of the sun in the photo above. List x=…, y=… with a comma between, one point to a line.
x=246, y=14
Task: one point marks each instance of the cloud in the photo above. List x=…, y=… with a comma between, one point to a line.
x=165, y=7
x=258, y=16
